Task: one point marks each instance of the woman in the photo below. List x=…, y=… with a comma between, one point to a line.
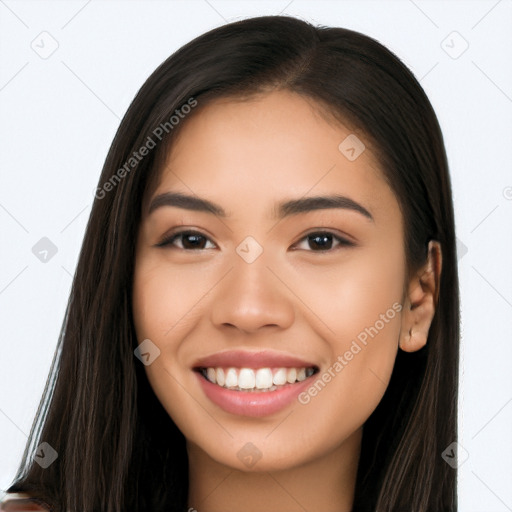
x=265, y=312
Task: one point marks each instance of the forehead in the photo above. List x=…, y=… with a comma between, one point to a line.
x=273, y=145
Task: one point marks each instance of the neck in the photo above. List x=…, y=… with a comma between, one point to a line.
x=326, y=483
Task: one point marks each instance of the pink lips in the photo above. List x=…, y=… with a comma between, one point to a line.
x=245, y=359
x=251, y=403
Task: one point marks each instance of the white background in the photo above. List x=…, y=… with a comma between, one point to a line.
x=59, y=115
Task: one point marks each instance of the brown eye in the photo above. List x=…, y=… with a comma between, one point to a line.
x=190, y=240
x=322, y=241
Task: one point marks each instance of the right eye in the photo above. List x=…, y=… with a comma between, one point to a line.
x=190, y=240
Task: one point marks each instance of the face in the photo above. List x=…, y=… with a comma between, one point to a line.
x=277, y=324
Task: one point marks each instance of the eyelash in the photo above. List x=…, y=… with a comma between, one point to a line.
x=342, y=242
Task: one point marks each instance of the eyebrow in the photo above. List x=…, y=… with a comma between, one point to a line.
x=284, y=209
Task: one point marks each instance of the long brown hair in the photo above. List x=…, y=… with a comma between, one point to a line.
x=117, y=447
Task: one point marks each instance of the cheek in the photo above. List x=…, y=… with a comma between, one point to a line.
x=352, y=296
x=160, y=299
x=155, y=313
x=160, y=303
x=359, y=305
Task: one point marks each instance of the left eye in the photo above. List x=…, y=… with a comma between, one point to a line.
x=193, y=240
x=324, y=240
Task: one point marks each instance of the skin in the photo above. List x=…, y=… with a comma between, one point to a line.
x=311, y=302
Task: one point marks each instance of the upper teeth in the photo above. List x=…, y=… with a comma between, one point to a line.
x=261, y=378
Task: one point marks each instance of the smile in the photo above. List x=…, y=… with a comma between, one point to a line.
x=253, y=383
x=260, y=379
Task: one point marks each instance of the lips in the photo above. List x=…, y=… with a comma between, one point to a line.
x=253, y=383
x=246, y=359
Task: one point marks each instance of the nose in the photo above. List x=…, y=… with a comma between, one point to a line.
x=252, y=296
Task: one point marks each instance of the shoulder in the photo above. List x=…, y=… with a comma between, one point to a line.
x=21, y=503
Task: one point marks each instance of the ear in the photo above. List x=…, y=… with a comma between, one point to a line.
x=421, y=301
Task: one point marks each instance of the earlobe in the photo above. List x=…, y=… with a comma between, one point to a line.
x=421, y=301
